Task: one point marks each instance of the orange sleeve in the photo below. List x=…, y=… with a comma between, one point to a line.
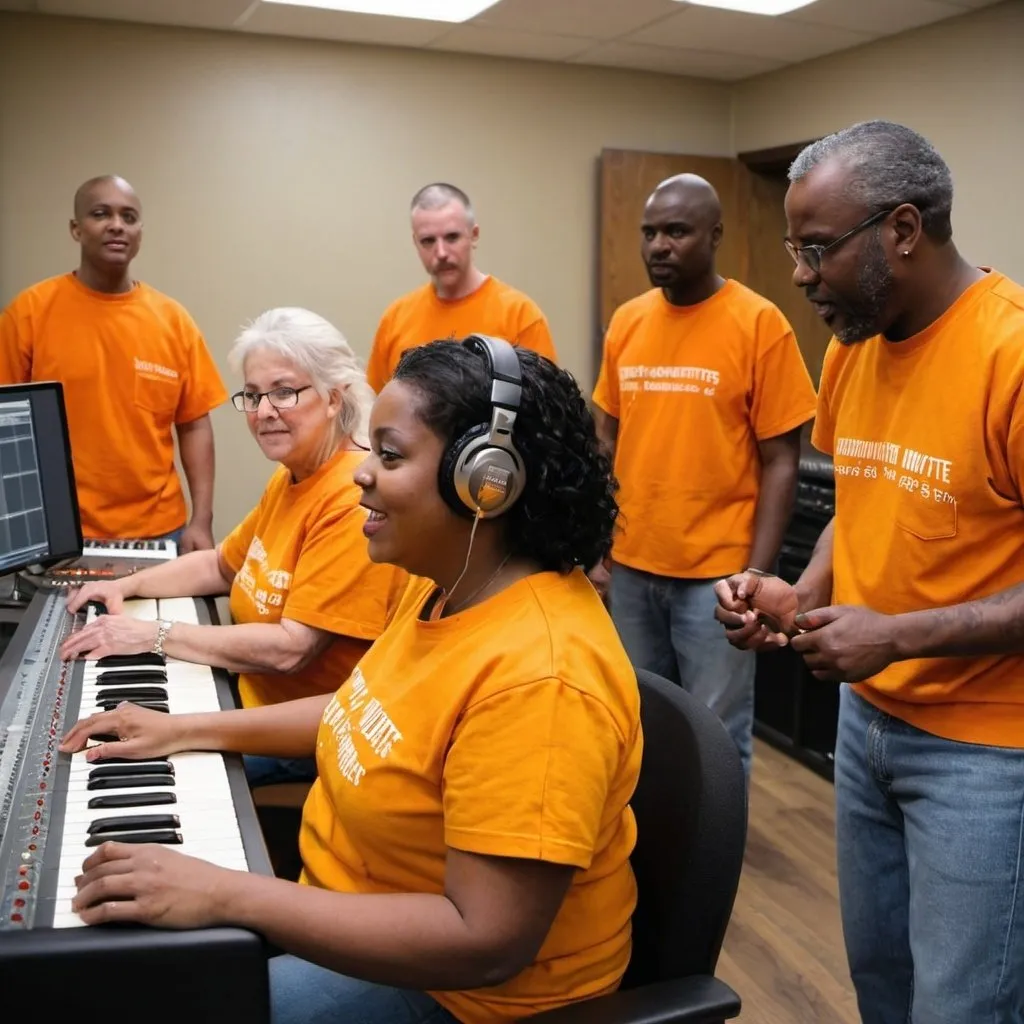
x=377, y=370
x=15, y=347
x=823, y=433
x=537, y=336
x=203, y=388
x=235, y=546
x=335, y=586
x=606, y=391
x=783, y=396
x=528, y=774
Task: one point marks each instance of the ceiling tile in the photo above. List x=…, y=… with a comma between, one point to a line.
x=200, y=13
x=506, y=42
x=698, y=63
x=876, y=16
x=706, y=28
x=316, y=23
x=595, y=19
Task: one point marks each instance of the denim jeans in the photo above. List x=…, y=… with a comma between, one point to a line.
x=303, y=993
x=266, y=771
x=929, y=848
x=668, y=627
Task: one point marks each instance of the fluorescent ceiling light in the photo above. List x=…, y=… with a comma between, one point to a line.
x=754, y=6
x=426, y=10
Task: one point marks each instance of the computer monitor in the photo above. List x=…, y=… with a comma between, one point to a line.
x=39, y=520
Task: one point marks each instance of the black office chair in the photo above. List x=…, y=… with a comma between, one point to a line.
x=691, y=814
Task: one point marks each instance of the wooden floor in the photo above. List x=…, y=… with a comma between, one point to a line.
x=784, y=952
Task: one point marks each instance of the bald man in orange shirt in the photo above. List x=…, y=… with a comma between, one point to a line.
x=135, y=371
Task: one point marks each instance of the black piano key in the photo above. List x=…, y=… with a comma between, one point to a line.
x=131, y=800
x=119, y=771
x=167, y=837
x=105, y=737
x=142, y=676
x=131, y=782
x=133, y=823
x=101, y=608
x=113, y=705
x=118, y=660
x=132, y=693
x=126, y=760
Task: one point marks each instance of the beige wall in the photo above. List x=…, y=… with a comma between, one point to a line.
x=960, y=83
x=278, y=171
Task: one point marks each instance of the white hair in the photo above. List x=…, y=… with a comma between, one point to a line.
x=316, y=346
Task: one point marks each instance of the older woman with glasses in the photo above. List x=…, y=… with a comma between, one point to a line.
x=306, y=601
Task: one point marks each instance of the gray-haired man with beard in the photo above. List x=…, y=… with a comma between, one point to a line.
x=914, y=597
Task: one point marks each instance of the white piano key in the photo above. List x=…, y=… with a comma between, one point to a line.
x=179, y=609
x=142, y=608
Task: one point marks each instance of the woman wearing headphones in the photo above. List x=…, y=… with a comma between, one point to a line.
x=467, y=842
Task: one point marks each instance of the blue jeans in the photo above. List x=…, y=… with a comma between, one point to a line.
x=668, y=627
x=303, y=993
x=266, y=771
x=929, y=836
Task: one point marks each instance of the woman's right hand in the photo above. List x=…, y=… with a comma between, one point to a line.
x=110, y=593
x=734, y=612
x=142, y=733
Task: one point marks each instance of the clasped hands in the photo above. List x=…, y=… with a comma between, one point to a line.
x=839, y=643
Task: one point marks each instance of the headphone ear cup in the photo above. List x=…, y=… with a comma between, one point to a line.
x=448, y=469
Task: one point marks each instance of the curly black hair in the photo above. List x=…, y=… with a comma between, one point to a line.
x=567, y=511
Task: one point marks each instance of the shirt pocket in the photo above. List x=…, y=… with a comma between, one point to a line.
x=925, y=518
x=158, y=396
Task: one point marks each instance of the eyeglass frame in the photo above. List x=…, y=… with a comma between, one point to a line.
x=797, y=252
x=260, y=395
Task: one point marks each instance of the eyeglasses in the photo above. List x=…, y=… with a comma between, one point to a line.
x=279, y=398
x=812, y=254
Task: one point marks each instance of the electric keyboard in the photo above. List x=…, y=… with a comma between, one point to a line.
x=106, y=560
x=55, y=808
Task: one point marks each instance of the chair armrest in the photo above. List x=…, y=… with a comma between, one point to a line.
x=699, y=999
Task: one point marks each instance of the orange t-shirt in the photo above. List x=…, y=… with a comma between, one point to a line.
x=695, y=388
x=495, y=308
x=927, y=436
x=511, y=729
x=300, y=554
x=132, y=366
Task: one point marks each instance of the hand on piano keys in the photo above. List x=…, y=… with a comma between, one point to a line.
x=153, y=885
x=109, y=593
x=110, y=634
x=181, y=800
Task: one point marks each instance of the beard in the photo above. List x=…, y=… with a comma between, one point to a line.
x=862, y=315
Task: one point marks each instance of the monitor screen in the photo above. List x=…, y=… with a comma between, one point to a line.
x=39, y=521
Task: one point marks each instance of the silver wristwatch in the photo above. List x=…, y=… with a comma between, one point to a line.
x=163, y=627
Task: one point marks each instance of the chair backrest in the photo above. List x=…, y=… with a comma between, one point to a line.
x=691, y=814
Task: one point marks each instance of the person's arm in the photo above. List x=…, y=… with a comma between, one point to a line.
x=15, y=348
x=195, y=442
x=287, y=729
x=814, y=587
x=780, y=458
x=283, y=648
x=607, y=428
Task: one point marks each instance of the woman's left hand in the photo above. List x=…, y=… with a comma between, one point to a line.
x=149, y=884
x=110, y=634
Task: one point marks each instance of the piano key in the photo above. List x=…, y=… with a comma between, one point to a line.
x=131, y=675
x=113, y=705
x=132, y=693
x=105, y=771
x=131, y=782
x=131, y=660
x=165, y=836
x=125, y=760
x=143, y=608
x=133, y=823
x=179, y=609
x=135, y=799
